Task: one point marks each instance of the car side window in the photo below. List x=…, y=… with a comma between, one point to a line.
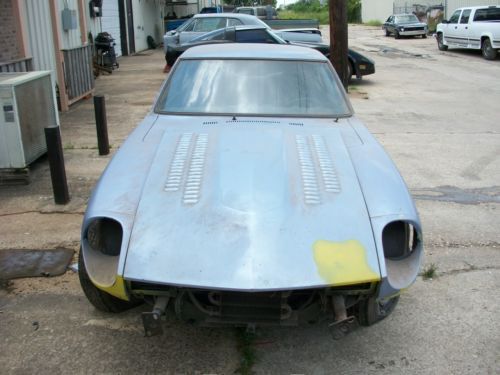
x=391, y=19
x=205, y=25
x=489, y=14
x=254, y=36
x=465, y=16
x=456, y=15
x=189, y=26
x=233, y=22
x=215, y=36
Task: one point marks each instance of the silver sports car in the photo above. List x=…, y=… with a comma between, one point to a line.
x=251, y=195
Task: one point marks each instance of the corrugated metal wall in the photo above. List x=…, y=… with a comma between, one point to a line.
x=452, y=5
x=376, y=10
x=70, y=38
x=41, y=45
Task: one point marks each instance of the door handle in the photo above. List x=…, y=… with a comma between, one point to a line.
x=466, y=28
x=455, y=27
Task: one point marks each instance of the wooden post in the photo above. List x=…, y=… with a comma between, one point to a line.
x=56, y=37
x=338, y=38
x=82, y=6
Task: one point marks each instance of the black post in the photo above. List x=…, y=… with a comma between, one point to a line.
x=56, y=162
x=101, y=124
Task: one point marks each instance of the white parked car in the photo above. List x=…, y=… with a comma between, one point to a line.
x=472, y=28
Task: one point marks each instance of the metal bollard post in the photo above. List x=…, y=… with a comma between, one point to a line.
x=56, y=162
x=101, y=124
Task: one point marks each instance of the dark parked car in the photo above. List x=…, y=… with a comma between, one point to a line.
x=359, y=65
x=404, y=25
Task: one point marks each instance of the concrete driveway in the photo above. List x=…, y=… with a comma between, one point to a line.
x=436, y=113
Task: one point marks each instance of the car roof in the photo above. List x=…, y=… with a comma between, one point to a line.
x=249, y=27
x=253, y=51
x=230, y=15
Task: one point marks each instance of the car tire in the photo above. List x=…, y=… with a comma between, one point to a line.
x=387, y=33
x=396, y=35
x=371, y=311
x=424, y=36
x=350, y=70
x=441, y=45
x=101, y=300
x=489, y=53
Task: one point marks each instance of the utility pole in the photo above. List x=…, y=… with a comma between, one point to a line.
x=338, y=38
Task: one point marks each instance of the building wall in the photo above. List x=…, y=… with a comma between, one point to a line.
x=70, y=38
x=378, y=10
x=452, y=5
x=39, y=31
x=148, y=20
x=9, y=49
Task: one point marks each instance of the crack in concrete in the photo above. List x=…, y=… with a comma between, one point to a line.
x=471, y=268
x=42, y=213
x=456, y=245
x=457, y=195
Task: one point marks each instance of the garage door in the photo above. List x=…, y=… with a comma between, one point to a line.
x=111, y=22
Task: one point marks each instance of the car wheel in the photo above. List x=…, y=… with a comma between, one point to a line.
x=101, y=300
x=488, y=52
x=371, y=311
x=441, y=45
x=396, y=34
x=350, y=71
x=387, y=33
x=424, y=36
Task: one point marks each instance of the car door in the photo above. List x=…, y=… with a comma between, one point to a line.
x=462, y=33
x=450, y=30
x=389, y=24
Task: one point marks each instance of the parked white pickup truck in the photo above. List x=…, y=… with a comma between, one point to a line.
x=473, y=28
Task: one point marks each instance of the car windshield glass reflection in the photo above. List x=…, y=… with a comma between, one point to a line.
x=254, y=87
x=406, y=19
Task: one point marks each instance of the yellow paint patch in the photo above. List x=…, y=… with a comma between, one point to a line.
x=343, y=263
x=117, y=289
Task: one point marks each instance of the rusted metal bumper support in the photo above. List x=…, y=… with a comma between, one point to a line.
x=343, y=323
x=152, y=320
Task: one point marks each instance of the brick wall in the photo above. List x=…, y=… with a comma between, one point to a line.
x=9, y=49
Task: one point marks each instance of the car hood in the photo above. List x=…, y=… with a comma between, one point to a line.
x=251, y=205
x=411, y=24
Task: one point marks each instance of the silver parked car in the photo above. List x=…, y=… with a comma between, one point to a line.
x=251, y=195
x=200, y=24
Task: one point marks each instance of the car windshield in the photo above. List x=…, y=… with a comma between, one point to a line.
x=254, y=87
x=409, y=18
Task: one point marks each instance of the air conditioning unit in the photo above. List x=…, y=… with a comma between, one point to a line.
x=27, y=106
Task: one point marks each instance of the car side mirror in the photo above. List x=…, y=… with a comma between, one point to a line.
x=445, y=21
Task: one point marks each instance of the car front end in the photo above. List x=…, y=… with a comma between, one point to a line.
x=279, y=210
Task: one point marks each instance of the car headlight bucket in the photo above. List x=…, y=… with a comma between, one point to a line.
x=105, y=236
x=399, y=239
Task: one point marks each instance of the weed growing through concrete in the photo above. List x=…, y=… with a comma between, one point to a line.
x=429, y=272
x=69, y=146
x=246, y=347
